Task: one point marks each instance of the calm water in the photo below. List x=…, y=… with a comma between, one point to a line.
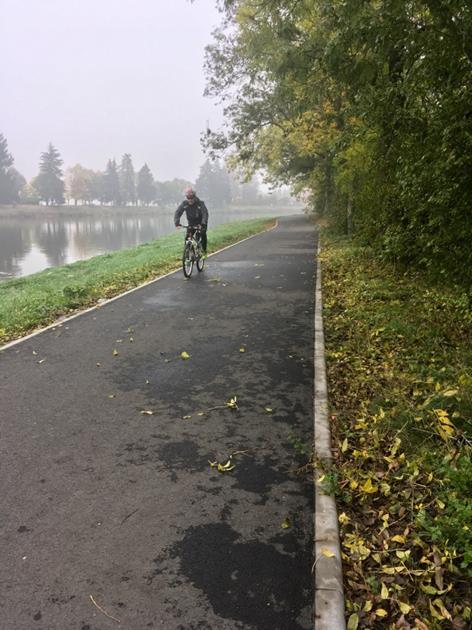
x=28, y=245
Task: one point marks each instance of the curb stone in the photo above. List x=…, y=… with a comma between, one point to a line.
x=327, y=568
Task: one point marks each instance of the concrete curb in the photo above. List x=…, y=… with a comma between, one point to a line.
x=68, y=318
x=329, y=595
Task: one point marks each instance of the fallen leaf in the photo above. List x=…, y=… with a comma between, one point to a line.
x=268, y=409
x=285, y=524
x=184, y=355
x=115, y=352
x=186, y=417
x=327, y=552
x=147, y=412
x=353, y=622
x=405, y=608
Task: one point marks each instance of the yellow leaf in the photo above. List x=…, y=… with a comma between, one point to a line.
x=405, y=608
x=147, y=412
x=398, y=539
x=268, y=409
x=184, y=355
x=353, y=622
x=201, y=413
x=368, y=605
x=225, y=468
x=285, y=524
x=343, y=518
x=115, y=352
x=242, y=349
x=368, y=487
x=327, y=552
x=380, y=612
x=450, y=392
x=384, y=592
x=212, y=464
x=186, y=417
x=344, y=445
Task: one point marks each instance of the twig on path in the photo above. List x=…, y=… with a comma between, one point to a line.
x=129, y=516
x=103, y=611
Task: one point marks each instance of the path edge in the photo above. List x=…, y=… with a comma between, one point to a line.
x=329, y=612
x=64, y=319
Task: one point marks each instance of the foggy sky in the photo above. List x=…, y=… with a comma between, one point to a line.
x=99, y=78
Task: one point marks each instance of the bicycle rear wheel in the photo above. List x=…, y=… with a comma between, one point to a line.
x=187, y=260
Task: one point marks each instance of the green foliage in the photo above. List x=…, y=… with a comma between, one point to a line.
x=11, y=181
x=365, y=106
x=145, y=189
x=49, y=184
x=399, y=363
x=127, y=180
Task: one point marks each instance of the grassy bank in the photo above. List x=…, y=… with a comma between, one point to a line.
x=399, y=357
x=39, y=299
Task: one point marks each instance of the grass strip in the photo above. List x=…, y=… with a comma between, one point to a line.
x=399, y=361
x=39, y=299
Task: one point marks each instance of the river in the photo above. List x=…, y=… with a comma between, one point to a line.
x=31, y=242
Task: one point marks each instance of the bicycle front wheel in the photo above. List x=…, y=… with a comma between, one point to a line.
x=200, y=260
x=187, y=260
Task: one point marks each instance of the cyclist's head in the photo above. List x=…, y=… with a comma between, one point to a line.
x=190, y=194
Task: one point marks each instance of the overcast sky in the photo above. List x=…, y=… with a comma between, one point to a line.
x=99, y=78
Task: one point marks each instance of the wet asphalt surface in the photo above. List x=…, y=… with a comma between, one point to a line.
x=99, y=499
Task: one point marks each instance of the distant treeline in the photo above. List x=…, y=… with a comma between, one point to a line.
x=120, y=185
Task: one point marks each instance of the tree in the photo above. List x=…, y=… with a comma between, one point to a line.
x=48, y=183
x=10, y=183
x=213, y=184
x=365, y=105
x=170, y=193
x=146, y=190
x=127, y=180
x=80, y=184
x=111, y=184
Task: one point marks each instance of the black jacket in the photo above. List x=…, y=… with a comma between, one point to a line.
x=197, y=212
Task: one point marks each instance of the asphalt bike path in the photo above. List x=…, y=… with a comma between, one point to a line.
x=111, y=514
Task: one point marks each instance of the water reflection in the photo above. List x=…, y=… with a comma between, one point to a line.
x=28, y=245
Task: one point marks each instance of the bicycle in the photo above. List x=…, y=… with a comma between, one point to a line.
x=193, y=252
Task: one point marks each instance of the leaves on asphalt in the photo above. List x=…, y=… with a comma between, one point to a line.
x=184, y=355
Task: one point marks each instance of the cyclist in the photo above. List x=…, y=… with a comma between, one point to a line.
x=197, y=215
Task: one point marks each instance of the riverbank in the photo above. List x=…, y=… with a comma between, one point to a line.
x=399, y=358
x=37, y=300
x=35, y=211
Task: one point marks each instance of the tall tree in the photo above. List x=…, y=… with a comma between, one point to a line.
x=49, y=183
x=8, y=188
x=111, y=184
x=146, y=190
x=213, y=184
x=80, y=184
x=365, y=105
x=127, y=180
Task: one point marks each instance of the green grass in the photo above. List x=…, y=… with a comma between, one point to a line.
x=399, y=358
x=39, y=299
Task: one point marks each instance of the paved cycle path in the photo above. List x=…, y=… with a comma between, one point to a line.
x=102, y=501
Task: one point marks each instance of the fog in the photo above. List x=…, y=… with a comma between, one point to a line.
x=99, y=79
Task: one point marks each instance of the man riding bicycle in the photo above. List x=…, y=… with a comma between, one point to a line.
x=197, y=215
